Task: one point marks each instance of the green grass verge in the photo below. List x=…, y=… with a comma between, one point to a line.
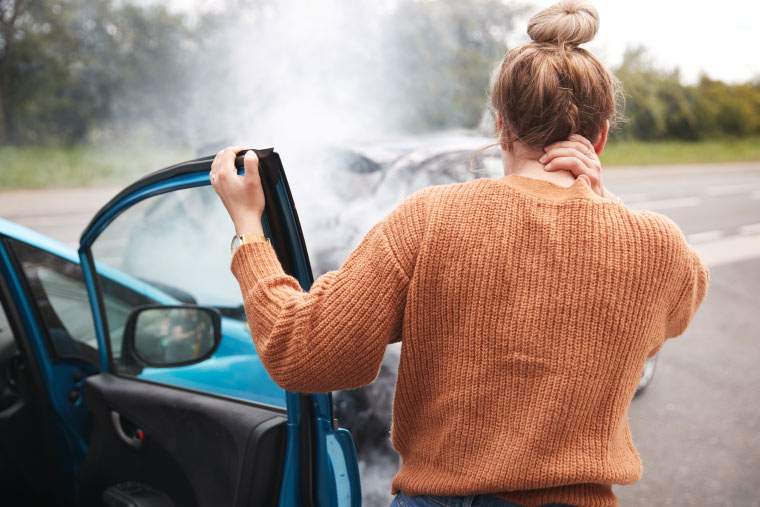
x=40, y=167
x=55, y=167
x=681, y=152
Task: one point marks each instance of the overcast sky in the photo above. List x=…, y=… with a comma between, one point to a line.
x=719, y=38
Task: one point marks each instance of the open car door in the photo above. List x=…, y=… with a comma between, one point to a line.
x=179, y=420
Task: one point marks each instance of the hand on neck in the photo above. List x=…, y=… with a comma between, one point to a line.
x=521, y=160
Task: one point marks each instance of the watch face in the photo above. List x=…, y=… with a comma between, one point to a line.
x=235, y=243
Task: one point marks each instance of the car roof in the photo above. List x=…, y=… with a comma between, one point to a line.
x=55, y=247
x=38, y=240
x=427, y=145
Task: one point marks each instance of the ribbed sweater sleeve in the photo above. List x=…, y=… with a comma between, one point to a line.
x=692, y=290
x=333, y=336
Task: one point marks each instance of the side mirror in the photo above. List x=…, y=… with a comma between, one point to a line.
x=166, y=336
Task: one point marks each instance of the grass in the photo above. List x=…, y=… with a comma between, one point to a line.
x=49, y=167
x=40, y=167
x=681, y=152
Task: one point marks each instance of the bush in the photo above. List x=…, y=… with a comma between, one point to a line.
x=660, y=107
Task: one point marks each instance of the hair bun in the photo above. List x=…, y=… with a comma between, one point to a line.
x=570, y=22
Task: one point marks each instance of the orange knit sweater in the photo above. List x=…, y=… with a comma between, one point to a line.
x=526, y=311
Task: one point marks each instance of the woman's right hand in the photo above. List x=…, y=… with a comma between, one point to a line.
x=243, y=196
x=578, y=156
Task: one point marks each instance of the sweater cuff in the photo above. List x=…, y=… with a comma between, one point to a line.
x=255, y=261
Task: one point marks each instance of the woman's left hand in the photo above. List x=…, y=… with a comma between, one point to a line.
x=578, y=156
x=243, y=196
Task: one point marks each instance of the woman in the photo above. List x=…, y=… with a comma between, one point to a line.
x=526, y=305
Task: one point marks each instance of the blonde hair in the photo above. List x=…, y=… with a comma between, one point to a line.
x=550, y=88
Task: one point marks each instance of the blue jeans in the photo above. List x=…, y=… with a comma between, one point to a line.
x=402, y=500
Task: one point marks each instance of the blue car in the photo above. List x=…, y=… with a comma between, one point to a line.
x=128, y=376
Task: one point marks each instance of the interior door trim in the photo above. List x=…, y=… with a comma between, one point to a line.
x=38, y=342
x=31, y=338
x=20, y=333
x=256, y=404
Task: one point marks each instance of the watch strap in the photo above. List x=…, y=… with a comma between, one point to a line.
x=239, y=240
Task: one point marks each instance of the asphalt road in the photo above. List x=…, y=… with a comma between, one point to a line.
x=697, y=426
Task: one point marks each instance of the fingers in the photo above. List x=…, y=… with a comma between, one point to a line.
x=578, y=156
x=583, y=140
x=577, y=139
x=576, y=166
x=571, y=163
x=227, y=161
x=223, y=165
x=213, y=174
x=571, y=160
x=566, y=152
x=251, y=162
x=577, y=145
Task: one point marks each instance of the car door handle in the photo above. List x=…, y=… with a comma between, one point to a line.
x=135, y=441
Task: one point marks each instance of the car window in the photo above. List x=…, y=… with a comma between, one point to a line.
x=119, y=299
x=177, y=244
x=174, y=248
x=58, y=290
x=7, y=341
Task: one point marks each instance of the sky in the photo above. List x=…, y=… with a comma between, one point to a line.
x=717, y=38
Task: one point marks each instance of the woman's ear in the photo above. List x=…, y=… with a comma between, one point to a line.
x=601, y=141
x=501, y=133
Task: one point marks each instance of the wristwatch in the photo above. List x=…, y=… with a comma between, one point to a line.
x=242, y=239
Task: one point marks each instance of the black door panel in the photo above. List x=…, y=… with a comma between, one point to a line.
x=29, y=443
x=31, y=453
x=197, y=449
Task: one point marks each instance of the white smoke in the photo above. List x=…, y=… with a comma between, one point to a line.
x=312, y=78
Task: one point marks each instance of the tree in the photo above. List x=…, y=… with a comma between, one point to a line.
x=11, y=11
x=440, y=58
x=63, y=63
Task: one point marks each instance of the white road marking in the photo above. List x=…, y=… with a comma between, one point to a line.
x=750, y=229
x=703, y=237
x=660, y=204
x=633, y=197
x=728, y=250
x=737, y=188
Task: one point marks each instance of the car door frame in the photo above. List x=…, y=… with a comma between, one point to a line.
x=318, y=453
x=11, y=302
x=57, y=379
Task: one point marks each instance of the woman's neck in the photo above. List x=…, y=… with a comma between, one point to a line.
x=522, y=162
